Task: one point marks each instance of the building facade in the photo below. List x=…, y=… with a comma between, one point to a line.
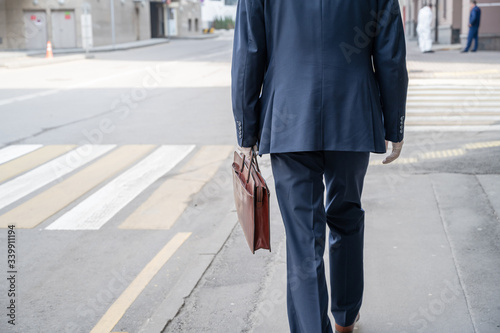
x=175, y=18
x=29, y=24
x=451, y=17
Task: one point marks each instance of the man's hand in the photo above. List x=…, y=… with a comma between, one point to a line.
x=396, y=150
x=247, y=151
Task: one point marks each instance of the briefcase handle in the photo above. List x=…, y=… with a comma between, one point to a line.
x=253, y=159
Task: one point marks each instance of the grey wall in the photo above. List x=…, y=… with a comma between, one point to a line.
x=189, y=9
x=129, y=23
x=3, y=26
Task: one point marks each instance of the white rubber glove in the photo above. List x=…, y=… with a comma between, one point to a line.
x=247, y=151
x=396, y=150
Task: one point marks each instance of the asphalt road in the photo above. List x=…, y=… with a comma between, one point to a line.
x=120, y=274
x=99, y=251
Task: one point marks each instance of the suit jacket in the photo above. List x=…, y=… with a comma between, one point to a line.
x=319, y=75
x=475, y=17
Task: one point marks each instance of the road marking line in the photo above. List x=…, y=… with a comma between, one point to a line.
x=29, y=161
x=451, y=85
x=168, y=202
x=452, y=128
x=442, y=153
x=479, y=145
x=36, y=210
x=12, y=152
x=129, y=295
x=457, y=123
x=23, y=185
x=71, y=87
x=400, y=160
x=465, y=73
x=99, y=208
x=464, y=103
x=431, y=113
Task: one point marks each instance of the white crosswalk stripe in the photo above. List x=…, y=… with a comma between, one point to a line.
x=31, y=181
x=453, y=108
x=11, y=152
x=96, y=210
x=83, y=187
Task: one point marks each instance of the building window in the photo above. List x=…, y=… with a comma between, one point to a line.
x=189, y=24
x=195, y=24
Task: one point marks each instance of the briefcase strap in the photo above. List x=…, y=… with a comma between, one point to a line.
x=253, y=159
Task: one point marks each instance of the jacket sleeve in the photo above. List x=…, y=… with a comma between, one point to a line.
x=248, y=68
x=389, y=61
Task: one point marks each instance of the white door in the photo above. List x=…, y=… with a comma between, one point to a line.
x=35, y=24
x=63, y=29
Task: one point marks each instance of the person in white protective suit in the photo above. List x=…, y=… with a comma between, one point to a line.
x=424, y=27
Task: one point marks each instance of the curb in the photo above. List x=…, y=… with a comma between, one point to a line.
x=200, y=37
x=32, y=62
x=172, y=304
x=78, y=54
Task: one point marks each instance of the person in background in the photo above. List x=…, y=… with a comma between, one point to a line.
x=319, y=85
x=474, y=21
x=424, y=29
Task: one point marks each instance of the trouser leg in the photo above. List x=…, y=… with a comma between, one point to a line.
x=476, y=39
x=299, y=188
x=344, y=177
x=469, y=40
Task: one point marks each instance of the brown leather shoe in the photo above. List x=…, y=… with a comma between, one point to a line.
x=348, y=329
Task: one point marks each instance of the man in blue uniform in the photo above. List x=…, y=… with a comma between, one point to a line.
x=319, y=84
x=474, y=21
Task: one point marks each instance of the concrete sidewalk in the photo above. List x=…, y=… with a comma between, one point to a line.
x=432, y=253
x=447, y=62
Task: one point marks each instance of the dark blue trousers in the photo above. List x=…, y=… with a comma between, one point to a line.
x=300, y=180
x=473, y=35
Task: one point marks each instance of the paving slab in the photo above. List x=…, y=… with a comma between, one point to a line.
x=424, y=234
x=473, y=227
x=411, y=283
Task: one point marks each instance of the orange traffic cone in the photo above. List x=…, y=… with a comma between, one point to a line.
x=49, y=50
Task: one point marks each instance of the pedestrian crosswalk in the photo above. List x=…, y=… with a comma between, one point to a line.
x=84, y=187
x=435, y=107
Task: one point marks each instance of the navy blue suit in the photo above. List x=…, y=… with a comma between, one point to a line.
x=332, y=75
x=474, y=21
x=319, y=84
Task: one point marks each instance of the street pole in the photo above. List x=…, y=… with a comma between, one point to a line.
x=113, y=36
x=85, y=13
x=168, y=19
x=436, y=37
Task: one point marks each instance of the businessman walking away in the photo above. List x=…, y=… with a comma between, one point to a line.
x=319, y=84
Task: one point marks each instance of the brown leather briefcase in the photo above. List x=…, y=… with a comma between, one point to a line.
x=251, y=196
